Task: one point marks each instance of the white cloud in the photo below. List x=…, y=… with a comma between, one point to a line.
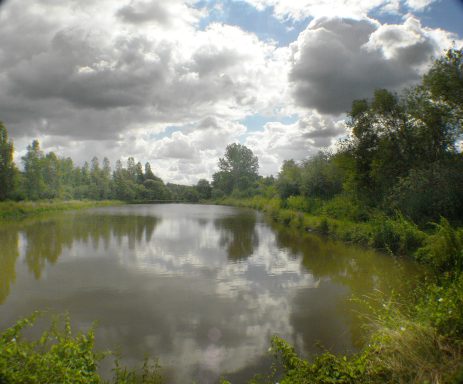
x=108, y=78
x=336, y=61
x=94, y=70
x=279, y=142
x=355, y=9
x=419, y=5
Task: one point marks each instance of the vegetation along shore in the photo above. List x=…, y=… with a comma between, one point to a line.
x=395, y=184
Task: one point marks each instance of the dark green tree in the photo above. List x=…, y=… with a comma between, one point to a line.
x=445, y=81
x=7, y=167
x=33, y=176
x=321, y=177
x=204, y=189
x=289, y=179
x=51, y=171
x=238, y=169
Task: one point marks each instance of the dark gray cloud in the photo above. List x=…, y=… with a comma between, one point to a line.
x=209, y=61
x=336, y=61
x=150, y=11
x=62, y=75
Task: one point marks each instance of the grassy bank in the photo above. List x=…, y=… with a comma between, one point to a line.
x=17, y=210
x=417, y=340
x=396, y=235
x=413, y=340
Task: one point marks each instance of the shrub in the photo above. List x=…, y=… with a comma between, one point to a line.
x=60, y=357
x=344, y=207
x=444, y=248
x=298, y=203
x=397, y=236
x=441, y=305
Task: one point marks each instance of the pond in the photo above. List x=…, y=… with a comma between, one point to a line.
x=202, y=288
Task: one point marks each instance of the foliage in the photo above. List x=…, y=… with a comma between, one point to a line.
x=441, y=306
x=427, y=193
x=289, y=179
x=321, y=177
x=443, y=249
x=237, y=169
x=445, y=81
x=344, y=206
x=7, y=167
x=397, y=236
x=58, y=356
x=204, y=189
x=289, y=368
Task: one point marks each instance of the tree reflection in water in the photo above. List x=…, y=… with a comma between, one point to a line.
x=238, y=235
x=8, y=255
x=48, y=237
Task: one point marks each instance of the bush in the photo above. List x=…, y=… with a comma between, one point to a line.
x=397, y=236
x=443, y=249
x=441, y=305
x=344, y=207
x=426, y=194
x=59, y=357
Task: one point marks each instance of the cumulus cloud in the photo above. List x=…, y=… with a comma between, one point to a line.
x=162, y=83
x=190, y=152
x=143, y=61
x=298, y=141
x=338, y=60
x=167, y=14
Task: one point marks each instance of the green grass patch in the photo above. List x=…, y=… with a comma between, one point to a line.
x=17, y=210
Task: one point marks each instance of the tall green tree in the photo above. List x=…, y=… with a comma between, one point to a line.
x=33, y=174
x=238, y=169
x=445, y=81
x=204, y=189
x=51, y=172
x=7, y=167
x=289, y=179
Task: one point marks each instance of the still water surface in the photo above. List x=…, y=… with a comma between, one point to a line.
x=200, y=287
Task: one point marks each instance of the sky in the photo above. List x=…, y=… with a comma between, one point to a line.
x=174, y=82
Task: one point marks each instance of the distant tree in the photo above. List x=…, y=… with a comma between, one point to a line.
x=51, y=172
x=289, y=179
x=106, y=179
x=140, y=177
x=132, y=169
x=321, y=177
x=7, y=167
x=149, y=175
x=156, y=190
x=204, y=189
x=33, y=176
x=238, y=169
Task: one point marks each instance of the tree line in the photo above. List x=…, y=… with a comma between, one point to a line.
x=401, y=155
x=47, y=176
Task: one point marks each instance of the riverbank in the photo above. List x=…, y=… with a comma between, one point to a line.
x=396, y=236
x=413, y=340
x=17, y=210
x=416, y=339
